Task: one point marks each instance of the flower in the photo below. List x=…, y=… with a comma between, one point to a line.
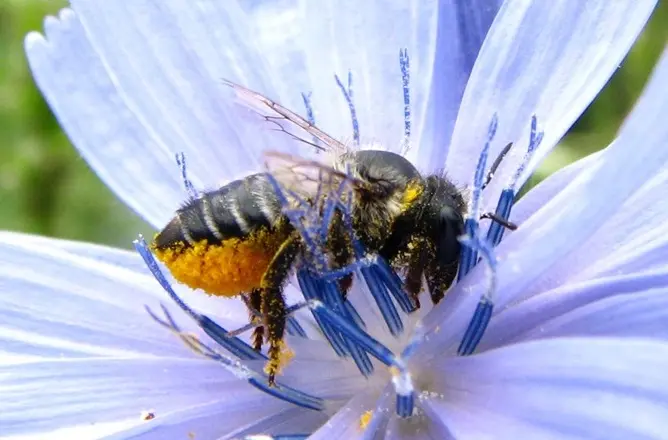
x=577, y=342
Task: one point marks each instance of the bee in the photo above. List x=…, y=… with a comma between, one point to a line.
x=237, y=240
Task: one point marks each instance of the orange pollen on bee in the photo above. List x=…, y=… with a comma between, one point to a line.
x=229, y=268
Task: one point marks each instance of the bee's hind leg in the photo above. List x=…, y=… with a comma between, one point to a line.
x=273, y=304
x=253, y=301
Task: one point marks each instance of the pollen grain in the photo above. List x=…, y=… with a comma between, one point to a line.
x=229, y=268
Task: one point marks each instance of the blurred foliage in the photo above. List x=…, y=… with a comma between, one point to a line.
x=46, y=188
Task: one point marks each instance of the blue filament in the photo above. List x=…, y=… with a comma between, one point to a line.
x=233, y=344
x=404, y=62
x=281, y=392
x=401, y=380
x=348, y=95
x=187, y=184
x=469, y=256
x=483, y=313
x=507, y=197
x=310, y=116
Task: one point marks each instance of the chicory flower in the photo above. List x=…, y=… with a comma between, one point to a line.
x=576, y=345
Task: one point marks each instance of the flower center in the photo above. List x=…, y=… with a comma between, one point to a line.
x=338, y=320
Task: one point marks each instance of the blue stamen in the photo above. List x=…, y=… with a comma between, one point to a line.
x=401, y=378
x=404, y=61
x=309, y=109
x=495, y=231
x=309, y=290
x=469, y=256
x=259, y=381
x=310, y=117
x=234, y=345
x=483, y=313
x=348, y=95
x=507, y=198
x=187, y=184
x=294, y=328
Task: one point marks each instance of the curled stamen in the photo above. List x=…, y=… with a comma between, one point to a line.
x=507, y=198
x=483, y=313
x=187, y=184
x=234, y=345
x=257, y=380
x=348, y=95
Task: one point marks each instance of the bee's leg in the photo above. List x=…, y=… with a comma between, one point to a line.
x=439, y=278
x=253, y=301
x=273, y=303
x=416, y=264
x=338, y=241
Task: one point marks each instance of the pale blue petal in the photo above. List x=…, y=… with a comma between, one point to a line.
x=121, y=146
x=561, y=388
x=542, y=193
x=223, y=420
x=545, y=59
x=306, y=43
x=461, y=31
x=44, y=395
x=582, y=309
x=345, y=424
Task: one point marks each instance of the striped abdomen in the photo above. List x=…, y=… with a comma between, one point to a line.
x=233, y=211
x=224, y=241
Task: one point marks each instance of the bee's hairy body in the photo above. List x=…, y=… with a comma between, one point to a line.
x=236, y=240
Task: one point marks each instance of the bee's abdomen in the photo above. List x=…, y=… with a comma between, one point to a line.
x=232, y=211
x=224, y=241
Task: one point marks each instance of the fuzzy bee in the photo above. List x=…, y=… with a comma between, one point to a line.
x=237, y=240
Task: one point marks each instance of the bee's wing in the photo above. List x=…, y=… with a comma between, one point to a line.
x=306, y=179
x=286, y=120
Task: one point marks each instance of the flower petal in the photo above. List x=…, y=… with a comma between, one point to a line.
x=545, y=59
x=43, y=395
x=538, y=196
x=626, y=305
x=126, y=153
x=363, y=38
x=462, y=26
x=346, y=423
x=560, y=388
x=145, y=78
x=223, y=420
x=543, y=253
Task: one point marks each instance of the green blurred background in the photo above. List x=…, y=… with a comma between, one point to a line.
x=46, y=188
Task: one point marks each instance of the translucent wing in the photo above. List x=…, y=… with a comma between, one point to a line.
x=286, y=120
x=309, y=179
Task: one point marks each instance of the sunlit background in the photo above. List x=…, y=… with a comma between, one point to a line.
x=46, y=188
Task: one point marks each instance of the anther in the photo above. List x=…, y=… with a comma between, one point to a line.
x=187, y=184
x=469, y=256
x=310, y=117
x=404, y=63
x=234, y=345
x=508, y=195
x=401, y=378
x=483, y=313
x=348, y=95
x=241, y=371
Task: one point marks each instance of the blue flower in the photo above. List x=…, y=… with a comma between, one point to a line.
x=576, y=345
